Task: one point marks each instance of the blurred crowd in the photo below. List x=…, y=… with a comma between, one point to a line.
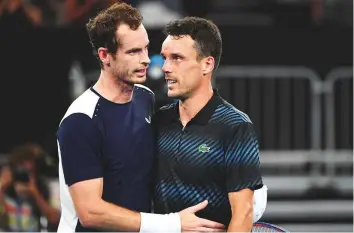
x=35, y=13
x=53, y=13
x=28, y=203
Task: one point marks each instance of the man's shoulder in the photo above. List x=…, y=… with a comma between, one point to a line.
x=165, y=113
x=144, y=91
x=228, y=114
x=84, y=104
x=145, y=94
x=167, y=108
x=142, y=88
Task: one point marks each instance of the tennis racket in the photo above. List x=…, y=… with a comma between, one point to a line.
x=267, y=227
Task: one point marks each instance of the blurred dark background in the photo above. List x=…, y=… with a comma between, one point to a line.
x=287, y=63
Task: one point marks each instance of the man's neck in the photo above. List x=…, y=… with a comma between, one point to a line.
x=112, y=89
x=190, y=107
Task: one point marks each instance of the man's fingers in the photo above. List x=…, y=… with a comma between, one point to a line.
x=198, y=207
x=211, y=224
x=206, y=229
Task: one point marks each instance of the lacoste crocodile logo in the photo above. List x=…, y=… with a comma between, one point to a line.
x=204, y=148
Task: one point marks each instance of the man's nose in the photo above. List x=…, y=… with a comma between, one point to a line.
x=146, y=60
x=166, y=67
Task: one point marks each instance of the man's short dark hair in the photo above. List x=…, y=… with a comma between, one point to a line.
x=204, y=32
x=102, y=28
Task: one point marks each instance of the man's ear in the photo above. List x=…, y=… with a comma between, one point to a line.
x=104, y=55
x=208, y=64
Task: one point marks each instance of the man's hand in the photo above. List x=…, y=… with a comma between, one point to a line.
x=29, y=188
x=190, y=222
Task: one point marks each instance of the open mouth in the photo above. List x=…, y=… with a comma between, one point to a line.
x=141, y=72
x=171, y=81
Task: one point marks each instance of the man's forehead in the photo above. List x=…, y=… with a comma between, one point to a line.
x=184, y=42
x=129, y=37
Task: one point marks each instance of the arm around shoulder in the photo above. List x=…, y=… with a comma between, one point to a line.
x=79, y=142
x=94, y=212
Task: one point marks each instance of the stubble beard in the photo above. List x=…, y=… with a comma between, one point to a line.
x=123, y=78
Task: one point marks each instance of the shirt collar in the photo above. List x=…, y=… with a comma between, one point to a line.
x=204, y=115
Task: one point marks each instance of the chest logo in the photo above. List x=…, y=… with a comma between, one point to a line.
x=148, y=120
x=203, y=148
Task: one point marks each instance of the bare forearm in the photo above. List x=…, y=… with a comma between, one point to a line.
x=241, y=223
x=242, y=210
x=107, y=216
x=240, y=226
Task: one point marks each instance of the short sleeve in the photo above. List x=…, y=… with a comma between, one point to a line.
x=79, y=145
x=242, y=159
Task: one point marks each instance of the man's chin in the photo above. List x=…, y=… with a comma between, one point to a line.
x=139, y=80
x=172, y=94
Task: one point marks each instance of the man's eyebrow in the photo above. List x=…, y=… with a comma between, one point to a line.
x=134, y=50
x=137, y=49
x=176, y=55
x=173, y=54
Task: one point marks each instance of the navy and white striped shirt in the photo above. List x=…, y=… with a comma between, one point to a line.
x=101, y=139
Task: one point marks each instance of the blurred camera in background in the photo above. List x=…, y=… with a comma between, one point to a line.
x=25, y=197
